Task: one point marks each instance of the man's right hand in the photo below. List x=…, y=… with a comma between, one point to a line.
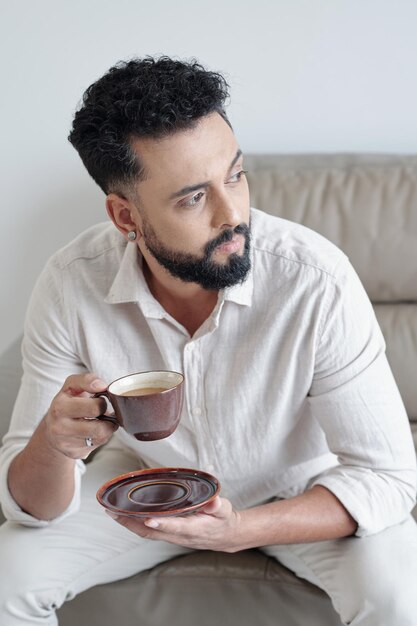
x=70, y=419
x=41, y=477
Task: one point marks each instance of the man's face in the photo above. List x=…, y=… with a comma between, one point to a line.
x=193, y=207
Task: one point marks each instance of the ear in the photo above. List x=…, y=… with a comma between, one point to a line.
x=123, y=214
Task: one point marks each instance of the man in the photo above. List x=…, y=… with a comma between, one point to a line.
x=289, y=399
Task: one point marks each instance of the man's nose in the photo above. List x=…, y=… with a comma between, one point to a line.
x=225, y=212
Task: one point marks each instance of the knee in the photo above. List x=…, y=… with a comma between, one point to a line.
x=383, y=601
x=25, y=591
x=379, y=578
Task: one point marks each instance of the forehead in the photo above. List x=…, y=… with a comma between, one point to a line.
x=189, y=156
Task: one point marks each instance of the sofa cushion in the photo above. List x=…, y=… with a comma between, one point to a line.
x=246, y=588
x=399, y=325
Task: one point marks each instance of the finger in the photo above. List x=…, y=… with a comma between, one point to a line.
x=80, y=444
x=145, y=532
x=184, y=525
x=136, y=526
x=96, y=430
x=76, y=407
x=78, y=383
x=78, y=435
x=71, y=424
x=216, y=507
x=219, y=508
x=143, y=528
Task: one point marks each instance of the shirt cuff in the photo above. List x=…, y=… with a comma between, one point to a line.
x=374, y=500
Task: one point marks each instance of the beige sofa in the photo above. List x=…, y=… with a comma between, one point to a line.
x=367, y=205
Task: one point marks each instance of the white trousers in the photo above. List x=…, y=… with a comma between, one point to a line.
x=371, y=581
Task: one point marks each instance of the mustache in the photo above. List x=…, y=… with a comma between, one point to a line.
x=225, y=236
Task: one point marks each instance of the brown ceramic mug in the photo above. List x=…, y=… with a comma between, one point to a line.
x=146, y=404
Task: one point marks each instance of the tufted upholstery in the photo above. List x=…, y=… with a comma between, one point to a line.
x=367, y=205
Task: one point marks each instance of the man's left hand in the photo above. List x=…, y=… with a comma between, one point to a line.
x=215, y=527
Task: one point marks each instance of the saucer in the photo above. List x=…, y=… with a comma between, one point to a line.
x=158, y=492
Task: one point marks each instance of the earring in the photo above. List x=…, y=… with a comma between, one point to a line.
x=131, y=235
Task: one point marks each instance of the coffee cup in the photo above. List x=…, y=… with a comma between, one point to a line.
x=146, y=404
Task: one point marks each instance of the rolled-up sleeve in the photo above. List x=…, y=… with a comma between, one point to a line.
x=356, y=401
x=48, y=358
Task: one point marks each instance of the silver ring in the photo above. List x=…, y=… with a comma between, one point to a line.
x=89, y=442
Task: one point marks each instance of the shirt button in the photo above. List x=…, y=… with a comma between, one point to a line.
x=197, y=410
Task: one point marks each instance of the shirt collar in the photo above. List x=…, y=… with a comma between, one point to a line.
x=130, y=285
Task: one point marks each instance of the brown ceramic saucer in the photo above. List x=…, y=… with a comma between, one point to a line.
x=158, y=492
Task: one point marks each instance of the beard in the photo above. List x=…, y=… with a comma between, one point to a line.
x=204, y=271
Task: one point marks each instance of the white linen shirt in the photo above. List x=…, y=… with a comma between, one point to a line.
x=287, y=384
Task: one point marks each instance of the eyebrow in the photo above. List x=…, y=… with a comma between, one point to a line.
x=185, y=190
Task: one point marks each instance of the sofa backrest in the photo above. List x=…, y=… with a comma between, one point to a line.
x=366, y=205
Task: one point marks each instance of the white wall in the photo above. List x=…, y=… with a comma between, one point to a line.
x=306, y=76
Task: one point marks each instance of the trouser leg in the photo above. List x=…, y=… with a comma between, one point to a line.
x=371, y=581
x=40, y=568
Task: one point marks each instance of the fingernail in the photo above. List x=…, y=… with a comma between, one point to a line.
x=98, y=384
x=152, y=523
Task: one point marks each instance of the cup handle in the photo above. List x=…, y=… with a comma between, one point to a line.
x=105, y=418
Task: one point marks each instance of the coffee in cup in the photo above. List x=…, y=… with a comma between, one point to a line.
x=146, y=404
x=143, y=391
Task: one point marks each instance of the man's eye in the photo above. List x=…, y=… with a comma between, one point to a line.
x=194, y=199
x=235, y=178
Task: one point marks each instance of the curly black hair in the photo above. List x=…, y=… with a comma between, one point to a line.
x=149, y=97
